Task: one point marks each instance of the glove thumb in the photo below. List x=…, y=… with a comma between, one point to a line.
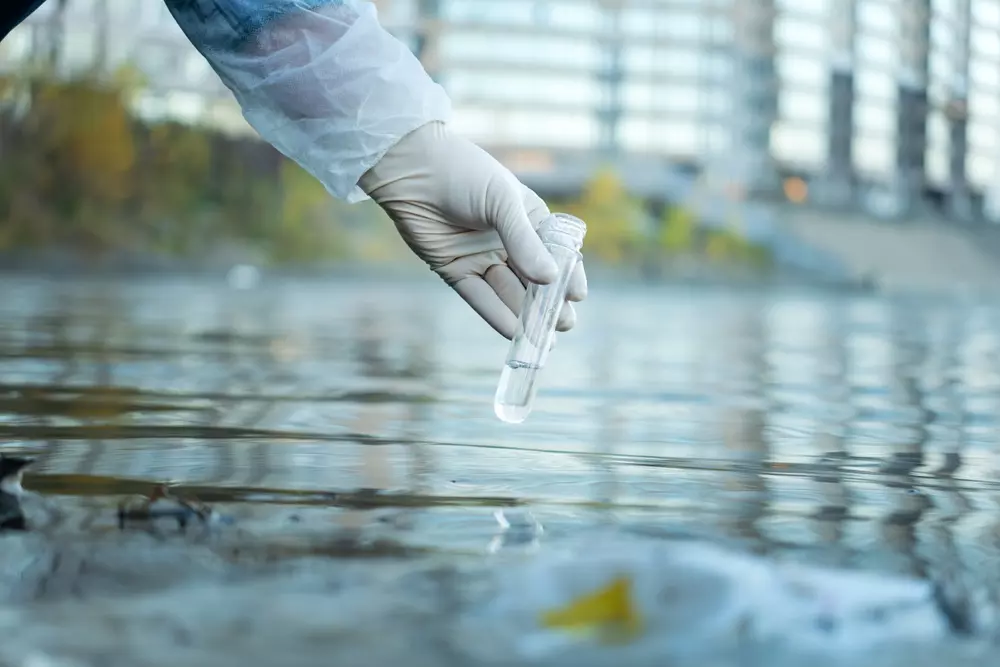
x=525, y=250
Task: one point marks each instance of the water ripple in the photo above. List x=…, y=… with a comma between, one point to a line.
x=843, y=429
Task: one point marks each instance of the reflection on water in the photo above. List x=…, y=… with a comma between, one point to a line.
x=856, y=431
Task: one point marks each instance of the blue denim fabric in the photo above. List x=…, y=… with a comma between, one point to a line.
x=225, y=24
x=12, y=12
x=220, y=24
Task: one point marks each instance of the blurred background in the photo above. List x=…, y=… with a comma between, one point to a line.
x=849, y=139
x=791, y=340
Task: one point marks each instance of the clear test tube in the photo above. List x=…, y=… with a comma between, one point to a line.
x=563, y=235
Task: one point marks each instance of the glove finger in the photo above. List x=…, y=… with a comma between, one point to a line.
x=524, y=249
x=507, y=285
x=481, y=297
x=567, y=317
x=577, y=289
x=535, y=207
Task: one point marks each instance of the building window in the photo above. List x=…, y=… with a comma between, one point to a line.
x=936, y=166
x=674, y=61
x=16, y=46
x=944, y=9
x=875, y=84
x=716, y=102
x=981, y=171
x=680, y=25
x=151, y=106
x=556, y=129
x=816, y=9
x=185, y=107
x=874, y=118
x=800, y=145
x=941, y=68
x=986, y=14
x=985, y=75
x=576, y=16
x=983, y=136
x=879, y=17
x=803, y=106
x=985, y=42
x=800, y=34
x=984, y=104
x=874, y=51
x=662, y=97
x=79, y=49
x=678, y=138
x=521, y=49
x=471, y=85
x=874, y=157
x=801, y=71
x=475, y=122
x=196, y=69
x=936, y=155
x=718, y=138
x=504, y=12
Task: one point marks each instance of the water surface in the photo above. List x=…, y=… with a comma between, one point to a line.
x=843, y=429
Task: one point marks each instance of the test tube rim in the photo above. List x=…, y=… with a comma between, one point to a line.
x=566, y=225
x=578, y=224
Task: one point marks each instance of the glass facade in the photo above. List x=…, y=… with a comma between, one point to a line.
x=898, y=94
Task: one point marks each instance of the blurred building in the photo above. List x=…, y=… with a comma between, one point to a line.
x=109, y=35
x=892, y=103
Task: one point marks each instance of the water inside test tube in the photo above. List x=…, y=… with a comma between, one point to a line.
x=532, y=341
x=516, y=391
x=535, y=333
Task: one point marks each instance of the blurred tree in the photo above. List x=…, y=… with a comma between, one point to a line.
x=729, y=245
x=612, y=215
x=79, y=172
x=306, y=231
x=176, y=161
x=677, y=235
x=83, y=132
x=246, y=194
x=303, y=197
x=719, y=246
x=368, y=233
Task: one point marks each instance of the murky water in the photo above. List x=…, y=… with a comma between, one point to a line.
x=848, y=430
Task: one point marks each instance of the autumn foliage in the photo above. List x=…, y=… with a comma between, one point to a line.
x=78, y=171
x=622, y=230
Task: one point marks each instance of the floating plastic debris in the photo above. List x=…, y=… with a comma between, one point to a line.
x=524, y=531
x=643, y=599
x=608, y=614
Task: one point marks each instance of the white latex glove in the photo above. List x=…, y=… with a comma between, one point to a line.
x=470, y=219
x=326, y=85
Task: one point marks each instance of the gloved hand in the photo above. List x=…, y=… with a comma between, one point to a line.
x=470, y=219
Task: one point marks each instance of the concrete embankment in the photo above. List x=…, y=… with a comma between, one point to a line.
x=919, y=254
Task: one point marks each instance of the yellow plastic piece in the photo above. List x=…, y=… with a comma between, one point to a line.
x=609, y=612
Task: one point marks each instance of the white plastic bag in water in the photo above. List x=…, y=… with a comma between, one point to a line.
x=638, y=599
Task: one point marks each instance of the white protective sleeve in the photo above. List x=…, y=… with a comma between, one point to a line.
x=320, y=80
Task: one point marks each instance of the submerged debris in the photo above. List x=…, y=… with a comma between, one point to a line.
x=639, y=599
x=162, y=504
x=11, y=511
x=955, y=603
x=610, y=613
